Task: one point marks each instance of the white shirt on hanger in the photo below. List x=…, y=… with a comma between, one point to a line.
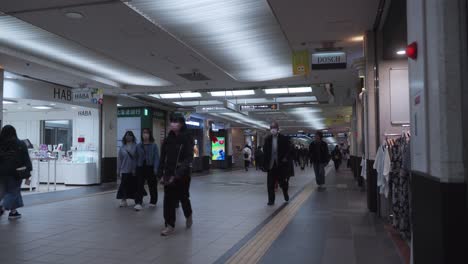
x=382, y=165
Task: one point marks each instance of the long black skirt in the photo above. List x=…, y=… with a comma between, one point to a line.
x=128, y=187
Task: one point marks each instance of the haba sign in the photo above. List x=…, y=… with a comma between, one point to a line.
x=301, y=62
x=329, y=60
x=85, y=113
x=88, y=95
x=63, y=94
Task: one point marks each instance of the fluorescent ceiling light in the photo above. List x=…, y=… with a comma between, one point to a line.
x=32, y=40
x=9, y=102
x=276, y=91
x=243, y=92
x=170, y=95
x=296, y=99
x=300, y=90
x=401, y=52
x=119, y=105
x=197, y=103
x=42, y=107
x=254, y=101
x=190, y=95
x=241, y=37
x=232, y=93
x=291, y=90
x=192, y=123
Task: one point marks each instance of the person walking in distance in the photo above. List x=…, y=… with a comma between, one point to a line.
x=276, y=162
x=126, y=169
x=148, y=162
x=247, y=153
x=259, y=157
x=319, y=156
x=175, y=172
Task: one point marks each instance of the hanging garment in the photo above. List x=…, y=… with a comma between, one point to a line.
x=364, y=167
x=382, y=166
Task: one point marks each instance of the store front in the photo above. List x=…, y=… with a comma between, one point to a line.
x=62, y=133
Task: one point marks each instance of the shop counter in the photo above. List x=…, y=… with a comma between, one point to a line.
x=68, y=173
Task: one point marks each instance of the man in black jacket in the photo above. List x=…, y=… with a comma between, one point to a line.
x=276, y=162
x=319, y=156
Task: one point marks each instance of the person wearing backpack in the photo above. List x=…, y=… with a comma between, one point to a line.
x=247, y=152
x=15, y=166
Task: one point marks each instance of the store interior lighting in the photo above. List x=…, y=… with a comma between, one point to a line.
x=42, y=107
x=241, y=37
x=291, y=90
x=197, y=103
x=401, y=52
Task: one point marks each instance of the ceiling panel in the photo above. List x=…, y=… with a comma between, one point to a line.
x=8, y=6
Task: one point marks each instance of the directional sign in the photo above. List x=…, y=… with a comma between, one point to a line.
x=259, y=107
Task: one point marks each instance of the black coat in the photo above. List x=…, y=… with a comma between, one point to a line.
x=176, y=146
x=13, y=154
x=318, y=152
x=284, y=149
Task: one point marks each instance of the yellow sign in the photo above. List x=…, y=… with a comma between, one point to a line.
x=301, y=63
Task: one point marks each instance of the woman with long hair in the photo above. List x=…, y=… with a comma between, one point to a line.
x=148, y=162
x=175, y=171
x=126, y=169
x=15, y=166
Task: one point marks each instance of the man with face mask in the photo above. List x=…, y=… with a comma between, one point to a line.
x=276, y=162
x=174, y=169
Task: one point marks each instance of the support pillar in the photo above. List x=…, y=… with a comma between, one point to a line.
x=109, y=139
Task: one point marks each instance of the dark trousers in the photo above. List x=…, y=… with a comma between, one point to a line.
x=146, y=174
x=128, y=187
x=246, y=164
x=178, y=191
x=277, y=174
x=319, y=169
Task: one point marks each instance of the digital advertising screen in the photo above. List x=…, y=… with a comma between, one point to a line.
x=218, y=149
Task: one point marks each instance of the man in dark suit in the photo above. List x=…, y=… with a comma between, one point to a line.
x=276, y=162
x=319, y=156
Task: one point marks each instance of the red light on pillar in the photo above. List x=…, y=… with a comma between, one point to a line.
x=412, y=51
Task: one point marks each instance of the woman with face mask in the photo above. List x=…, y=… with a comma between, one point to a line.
x=148, y=162
x=175, y=169
x=126, y=168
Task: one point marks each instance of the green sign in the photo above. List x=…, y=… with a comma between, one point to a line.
x=129, y=112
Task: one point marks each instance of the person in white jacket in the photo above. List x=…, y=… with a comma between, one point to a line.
x=247, y=153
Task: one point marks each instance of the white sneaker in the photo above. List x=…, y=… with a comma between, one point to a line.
x=123, y=203
x=138, y=207
x=152, y=205
x=189, y=222
x=167, y=231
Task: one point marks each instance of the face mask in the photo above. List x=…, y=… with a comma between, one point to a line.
x=175, y=127
x=274, y=131
x=129, y=139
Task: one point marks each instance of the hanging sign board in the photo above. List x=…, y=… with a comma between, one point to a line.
x=88, y=95
x=329, y=60
x=259, y=107
x=211, y=109
x=301, y=62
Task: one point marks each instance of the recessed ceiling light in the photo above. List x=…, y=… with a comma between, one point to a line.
x=190, y=95
x=357, y=38
x=232, y=93
x=42, y=107
x=243, y=92
x=276, y=91
x=170, y=95
x=74, y=15
x=401, y=52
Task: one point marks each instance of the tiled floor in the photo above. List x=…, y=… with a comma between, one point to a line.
x=331, y=226
x=227, y=206
x=334, y=227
